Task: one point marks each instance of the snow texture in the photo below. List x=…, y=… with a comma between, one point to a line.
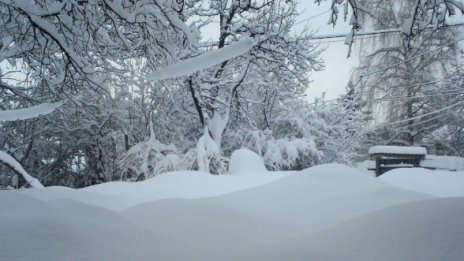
x=29, y=113
x=204, y=61
x=246, y=162
x=329, y=212
x=406, y=28
x=434, y=182
x=10, y=161
x=443, y=162
x=120, y=195
x=397, y=150
x=426, y=230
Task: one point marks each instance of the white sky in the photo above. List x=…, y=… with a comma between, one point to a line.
x=334, y=78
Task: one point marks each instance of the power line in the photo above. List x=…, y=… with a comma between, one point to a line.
x=423, y=115
x=384, y=92
x=394, y=98
x=377, y=32
x=314, y=16
x=412, y=58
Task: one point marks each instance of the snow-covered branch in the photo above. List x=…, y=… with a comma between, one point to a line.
x=10, y=161
x=29, y=113
x=204, y=61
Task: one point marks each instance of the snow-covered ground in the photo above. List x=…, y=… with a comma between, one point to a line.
x=328, y=212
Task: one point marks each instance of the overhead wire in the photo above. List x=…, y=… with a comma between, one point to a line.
x=423, y=115
x=386, y=91
x=314, y=16
x=437, y=93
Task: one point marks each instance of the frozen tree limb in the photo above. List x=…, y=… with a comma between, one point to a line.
x=10, y=161
x=29, y=113
x=204, y=61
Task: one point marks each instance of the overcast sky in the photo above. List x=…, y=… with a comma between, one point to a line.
x=334, y=78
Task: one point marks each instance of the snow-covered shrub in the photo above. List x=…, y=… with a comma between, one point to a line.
x=217, y=164
x=286, y=153
x=291, y=154
x=147, y=159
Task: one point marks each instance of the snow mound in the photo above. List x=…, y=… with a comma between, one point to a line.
x=69, y=230
x=119, y=195
x=328, y=212
x=245, y=162
x=425, y=230
x=304, y=202
x=433, y=182
x=443, y=162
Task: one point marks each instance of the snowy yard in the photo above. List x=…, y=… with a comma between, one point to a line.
x=191, y=130
x=328, y=212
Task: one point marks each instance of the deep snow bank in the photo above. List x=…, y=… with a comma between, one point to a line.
x=119, y=195
x=424, y=230
x=327, y=212
x=305, y=202
x=68, y=230
x=434, y=182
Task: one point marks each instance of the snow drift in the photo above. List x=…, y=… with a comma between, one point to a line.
x=424, y=230
x=329, y=212
x=438, y=182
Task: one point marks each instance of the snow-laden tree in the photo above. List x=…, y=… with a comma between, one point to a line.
x=422, y=14
x=9, y=160
x=401, y=75
x=277, y=54
x=297, y=135
x=447, y=135
x=343, y=127
x=79, y=51
x=63, y=47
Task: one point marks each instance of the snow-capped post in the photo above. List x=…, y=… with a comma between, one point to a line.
x=152, y=130
x=126, y=142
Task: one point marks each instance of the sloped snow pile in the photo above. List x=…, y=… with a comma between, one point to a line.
x=443, y=162
x=329, y=212
x=433, y=182
x=424, y=230
x=305, y=202
x=68, y=230
x=119, y=195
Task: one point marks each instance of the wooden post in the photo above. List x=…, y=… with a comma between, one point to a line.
x=126, y=142
x=377, y=166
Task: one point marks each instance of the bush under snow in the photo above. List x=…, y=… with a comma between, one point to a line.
x=147, y=159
